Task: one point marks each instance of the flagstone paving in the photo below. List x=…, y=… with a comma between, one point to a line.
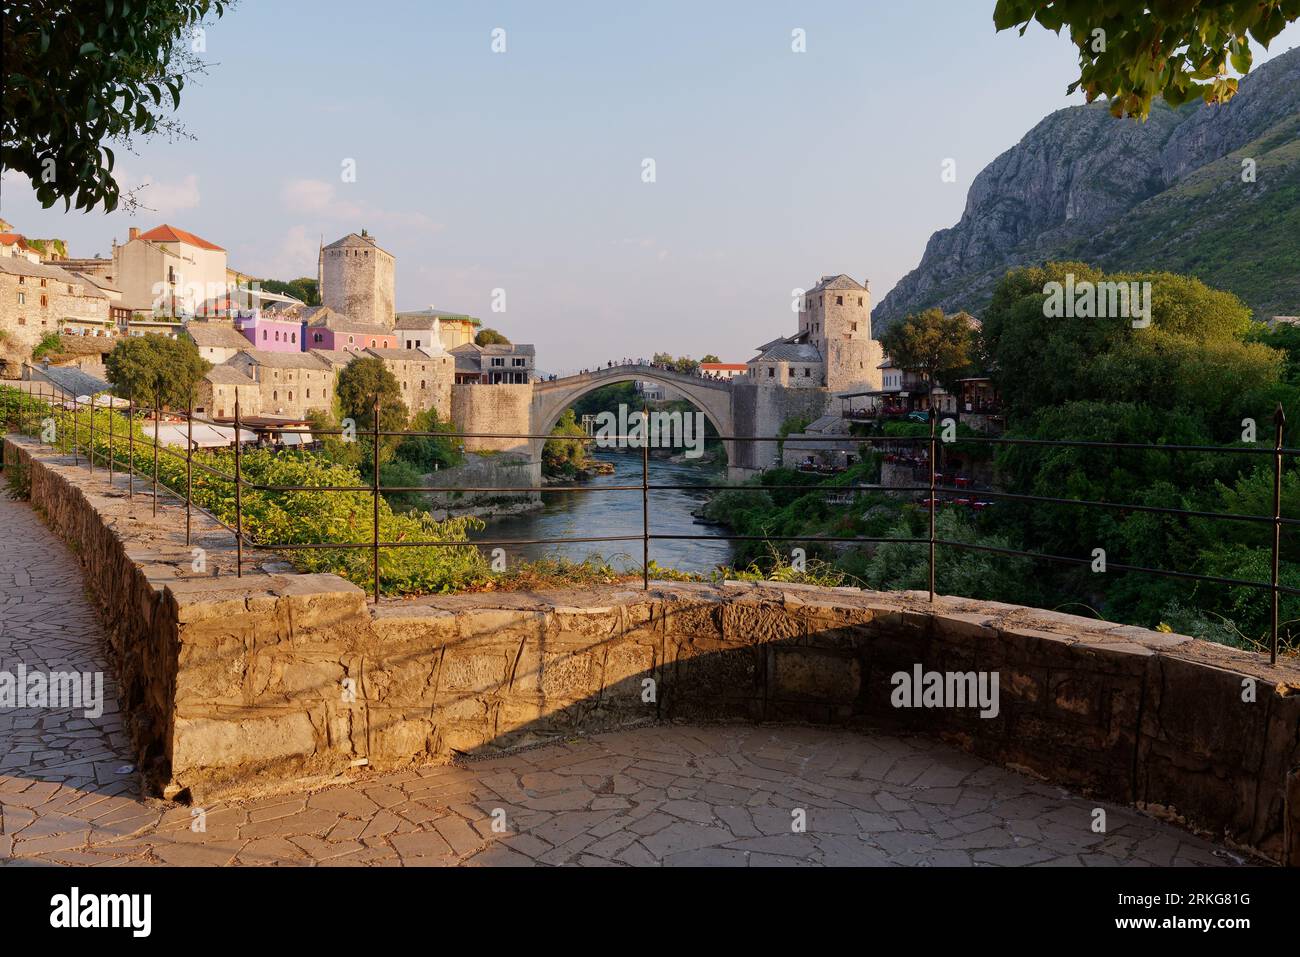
x=675, y=794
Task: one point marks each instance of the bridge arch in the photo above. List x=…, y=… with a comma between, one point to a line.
x=551, y=397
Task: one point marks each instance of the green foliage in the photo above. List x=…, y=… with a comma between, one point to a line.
x=935, y=346
x=82, y=73
x=153, y=369
x=428, y=453
x=567, y=454
x=683, y=364
x=490, y=337
x=286, y=518
x=51, y=344
x=1193, y=355
x=399, y=473
x=304, y=288
x=1177, y=51
x=710, y=358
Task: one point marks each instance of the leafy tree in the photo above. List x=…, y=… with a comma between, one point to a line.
x=490, y=337
x=1132, y=52
x=360, y=383
x=710, y=358
x=567, y=453
x=426, y=453
x=156, y=368
x=304, y=288
x=1193, y=349
x=82, y=73
x=932, y=345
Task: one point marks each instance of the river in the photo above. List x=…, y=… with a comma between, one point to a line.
x=584, y=513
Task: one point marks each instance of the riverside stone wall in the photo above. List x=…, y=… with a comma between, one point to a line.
x=256, y=682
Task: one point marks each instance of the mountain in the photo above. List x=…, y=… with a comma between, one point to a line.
x=1166, y=194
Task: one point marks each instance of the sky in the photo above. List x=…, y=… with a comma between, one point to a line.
x=525, y=171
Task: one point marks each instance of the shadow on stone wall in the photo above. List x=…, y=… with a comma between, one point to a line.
x=260, y=682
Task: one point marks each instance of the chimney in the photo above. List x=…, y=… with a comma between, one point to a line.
x=133, y=233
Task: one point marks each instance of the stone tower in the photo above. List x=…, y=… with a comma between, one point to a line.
x=356, y=279
x=836, y=316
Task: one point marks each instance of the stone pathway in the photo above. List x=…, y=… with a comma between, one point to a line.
x=679, y=794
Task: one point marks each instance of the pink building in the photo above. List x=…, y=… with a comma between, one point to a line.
x=329, y=330
x=271, y=335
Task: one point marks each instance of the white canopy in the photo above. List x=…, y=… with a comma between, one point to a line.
x=205, y=436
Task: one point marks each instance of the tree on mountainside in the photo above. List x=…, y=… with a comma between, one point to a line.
x=82, y=73
x=1133, y=52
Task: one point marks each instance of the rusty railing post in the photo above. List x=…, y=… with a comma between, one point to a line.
x=130, y=446
x=189, y=463
x=239, y=497
x=157, y=425
x=90, y=441
x=645, y=497
x=112, y=414
x=374, y=525
x=934, y=421
x=75, y=429
x=1279, y=422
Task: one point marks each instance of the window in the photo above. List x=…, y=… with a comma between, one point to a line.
x=859, y=300
x=853, y=326
x=22, y=298
x=277, y=335
x=422, y=385
x=771, y=372
x=293, y=337
x=351, y=340
x=839, y=300
x=290, y=395
x=45, y=301
x=317, y=337
x=22, y=321
x=22, y=280
x=42, y=283
x=263, y=335
x=309, y=393
x=372, y=343
x=275, y=396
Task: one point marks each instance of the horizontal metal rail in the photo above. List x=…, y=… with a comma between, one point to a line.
x=817, y=485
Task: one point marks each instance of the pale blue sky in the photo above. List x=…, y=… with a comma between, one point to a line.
x=522, y=170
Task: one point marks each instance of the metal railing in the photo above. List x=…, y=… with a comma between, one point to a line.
x=375, y=489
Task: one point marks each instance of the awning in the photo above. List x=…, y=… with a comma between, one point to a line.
x=205, y=436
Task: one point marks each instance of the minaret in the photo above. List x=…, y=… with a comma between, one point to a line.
x=320, y=271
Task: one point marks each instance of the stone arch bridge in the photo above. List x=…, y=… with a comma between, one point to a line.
x=551, y=397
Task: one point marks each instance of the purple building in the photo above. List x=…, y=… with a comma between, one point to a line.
x=271, y=334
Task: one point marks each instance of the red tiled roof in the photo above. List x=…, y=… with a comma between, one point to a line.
x=728, y=366
x=10, y=238
x=170, y=234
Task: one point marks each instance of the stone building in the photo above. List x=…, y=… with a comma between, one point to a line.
x=217, y=342
x=325, y=328
x=425, y=379
x=37, y=299
x=356, y=279
x=496, y=364
x=418, y=330
x=216, y=392
x=792, y=363
x=168, y=272
x=289, y=384
x=835, y=317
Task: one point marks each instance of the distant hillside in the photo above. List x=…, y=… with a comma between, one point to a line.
x=1167, y=194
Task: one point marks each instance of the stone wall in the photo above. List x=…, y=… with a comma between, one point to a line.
x=256, y=682
x=761, y=410
x=498, y=409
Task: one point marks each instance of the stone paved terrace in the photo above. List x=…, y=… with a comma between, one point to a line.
x=677, y=794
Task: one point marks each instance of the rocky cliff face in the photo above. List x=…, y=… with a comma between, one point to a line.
x=1080, y=174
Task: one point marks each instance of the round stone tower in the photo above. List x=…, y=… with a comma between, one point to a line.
x=356, y=279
